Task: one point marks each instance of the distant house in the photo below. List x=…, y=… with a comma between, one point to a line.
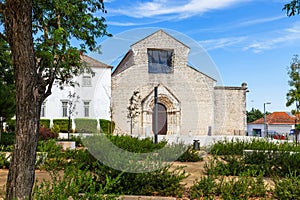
x=93, y=91
x=276, y=123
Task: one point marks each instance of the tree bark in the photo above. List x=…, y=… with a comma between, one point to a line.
x=18, y=28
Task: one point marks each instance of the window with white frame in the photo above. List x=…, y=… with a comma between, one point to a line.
x=64, y=108
x=86, y=108
x=43, y=110
x=86, y=81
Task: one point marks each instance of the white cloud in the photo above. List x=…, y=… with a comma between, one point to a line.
x=261, y=20
x=288, y=36
x=182, y=9
x=221, y=42
x=257, y=43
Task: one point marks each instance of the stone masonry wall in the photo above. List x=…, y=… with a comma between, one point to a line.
x=230, y=110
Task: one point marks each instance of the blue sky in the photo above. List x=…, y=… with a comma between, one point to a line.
x=250, y=41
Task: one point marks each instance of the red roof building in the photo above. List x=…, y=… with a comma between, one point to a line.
x=276, y=123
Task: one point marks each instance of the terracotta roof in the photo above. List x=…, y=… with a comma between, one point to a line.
x=277, y=118
x=93, y=62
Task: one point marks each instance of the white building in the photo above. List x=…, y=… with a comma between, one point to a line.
x=278, y=123
x=94, y=93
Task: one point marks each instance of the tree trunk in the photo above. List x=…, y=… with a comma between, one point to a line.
x=18, y=28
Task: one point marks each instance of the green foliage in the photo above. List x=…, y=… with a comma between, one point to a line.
x=50, y=147
x=206, y=187
x=76, y=183
x=254, y=114
x=288, y=187
x=266, y=158
x=136, y=145
x=4, y=164
x=293, y=95
x=7, y=138
x=292, y=8
x=63, y=124
x=163, y=182
x=236, y=147
x=241, y=187
x=7, y=84
x=84, y=125
x=106, y=126
x=11, y=125
x=55, y=129
x=45, y=123
x=190, y=155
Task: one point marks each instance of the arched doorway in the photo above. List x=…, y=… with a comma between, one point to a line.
x=162, y=119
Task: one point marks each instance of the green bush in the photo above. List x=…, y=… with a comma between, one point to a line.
x=63, y=124
x=4, y=164
x=76, y=184
x=45, y=123
x=7, y=138
x=106, y=126
x=190, y=155
x=288, y=187
x=55, y=129
x=237, y=147
x=136, y=145
x=11, y=125
x=84, y=125
x=241, y=187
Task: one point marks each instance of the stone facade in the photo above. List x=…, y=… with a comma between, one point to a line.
x=192, y=102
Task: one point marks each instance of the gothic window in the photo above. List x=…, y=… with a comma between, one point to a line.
x=160, y=61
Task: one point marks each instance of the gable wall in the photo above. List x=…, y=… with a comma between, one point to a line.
x=193, y=90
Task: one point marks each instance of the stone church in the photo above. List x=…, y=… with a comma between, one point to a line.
x=189, y=102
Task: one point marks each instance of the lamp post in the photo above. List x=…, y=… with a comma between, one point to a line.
x=265, y=119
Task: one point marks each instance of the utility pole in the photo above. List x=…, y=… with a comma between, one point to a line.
x=155, y=116
x=265, y=120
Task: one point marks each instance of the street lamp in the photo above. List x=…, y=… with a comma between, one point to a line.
x=265, y=125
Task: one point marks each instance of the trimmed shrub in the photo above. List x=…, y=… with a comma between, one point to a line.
x=45, y=123
x=55, y=129
x=84, y=125
x=63, y=124
x=106, y=126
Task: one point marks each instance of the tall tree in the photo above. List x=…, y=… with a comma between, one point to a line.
x=39, y=34
x=293, y=95
x=253, y=115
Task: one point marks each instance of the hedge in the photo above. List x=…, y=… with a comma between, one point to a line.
x=84, y=125
x=105, y=126
x=63, y=124
x=11, y=125
x=45, y=123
